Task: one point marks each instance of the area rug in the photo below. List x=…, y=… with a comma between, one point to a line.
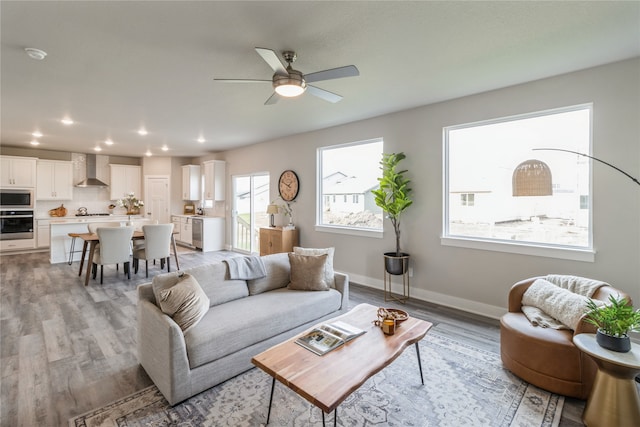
x=464, y=386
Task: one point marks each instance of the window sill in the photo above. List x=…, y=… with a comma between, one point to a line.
x=377, y=234
x=573, y=254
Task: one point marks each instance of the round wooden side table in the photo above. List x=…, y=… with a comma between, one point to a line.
x=614, y=398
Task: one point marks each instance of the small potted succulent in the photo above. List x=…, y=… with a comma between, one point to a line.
x=614, y=321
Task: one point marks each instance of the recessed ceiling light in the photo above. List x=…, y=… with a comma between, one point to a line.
x=37, y=134
x=97, y=148
x=66, y=121
x=201, y=140
x=142, y=131
x=34, y=142
x=36, y=54
x=148, y=153
x=108, y=142
x=165, y=148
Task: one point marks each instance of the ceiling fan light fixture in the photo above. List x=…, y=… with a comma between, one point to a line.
x=289, y=86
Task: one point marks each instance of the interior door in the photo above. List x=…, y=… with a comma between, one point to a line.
x=157, y=198
x=250, y=200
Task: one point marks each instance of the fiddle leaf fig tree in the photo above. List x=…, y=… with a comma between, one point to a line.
x=393, y=194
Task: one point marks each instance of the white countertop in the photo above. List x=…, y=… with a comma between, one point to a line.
x=196, y=216
x=82, y=219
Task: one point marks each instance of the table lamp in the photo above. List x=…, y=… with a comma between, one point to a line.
x=271, y=210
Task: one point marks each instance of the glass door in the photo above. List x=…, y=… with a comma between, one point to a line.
x=250, y=200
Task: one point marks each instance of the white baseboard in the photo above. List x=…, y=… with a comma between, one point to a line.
x=469, y=306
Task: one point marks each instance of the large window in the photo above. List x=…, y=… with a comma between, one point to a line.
x=346, y=175
x=488, y=163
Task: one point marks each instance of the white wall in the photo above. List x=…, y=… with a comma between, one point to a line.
x=477, y=280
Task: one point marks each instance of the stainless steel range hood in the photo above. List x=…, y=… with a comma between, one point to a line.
x=91, y=180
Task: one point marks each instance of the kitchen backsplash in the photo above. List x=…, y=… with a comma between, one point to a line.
x=96, y=200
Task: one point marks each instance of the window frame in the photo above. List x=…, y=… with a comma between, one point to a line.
x=575, y=253
x=341, y=229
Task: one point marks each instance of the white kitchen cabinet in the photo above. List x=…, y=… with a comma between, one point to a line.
x=214, y=180
x=17, y=171
x=125, y=179
x=183, y=224
x=191, y=179
x=43, y=238
x=54, y=180
x=186, y=232
x=177, y=227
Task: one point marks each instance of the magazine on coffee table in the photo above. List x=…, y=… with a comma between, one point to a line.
x=329, y=336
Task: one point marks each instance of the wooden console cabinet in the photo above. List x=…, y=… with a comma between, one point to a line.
x=274, y=240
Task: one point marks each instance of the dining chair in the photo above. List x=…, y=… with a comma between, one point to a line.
x=157, y=244
x=137, y=225
x=93, y=227
x=114, y=248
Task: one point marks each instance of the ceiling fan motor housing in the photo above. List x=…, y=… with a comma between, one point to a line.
x=295, y=78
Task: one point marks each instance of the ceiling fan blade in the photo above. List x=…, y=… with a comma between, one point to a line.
x=334, y=73
x=242, y=81
x=272, y=99
x=272, y=59
x=324, y=94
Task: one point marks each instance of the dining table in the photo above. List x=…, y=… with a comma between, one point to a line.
x=91, y=240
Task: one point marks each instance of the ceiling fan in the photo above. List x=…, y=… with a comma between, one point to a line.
x=289, y=83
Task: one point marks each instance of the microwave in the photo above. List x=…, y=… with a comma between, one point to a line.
x=13, y=198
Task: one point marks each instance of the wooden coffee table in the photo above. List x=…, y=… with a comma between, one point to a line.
x=326, y=381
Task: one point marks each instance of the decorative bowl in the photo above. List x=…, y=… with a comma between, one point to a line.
x=394, y=313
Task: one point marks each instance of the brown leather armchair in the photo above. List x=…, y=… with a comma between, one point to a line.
x=546, y=357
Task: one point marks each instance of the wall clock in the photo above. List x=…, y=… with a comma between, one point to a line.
x=288, y=185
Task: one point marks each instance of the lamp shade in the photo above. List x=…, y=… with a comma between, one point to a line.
x=531, y=178
x=272, y=209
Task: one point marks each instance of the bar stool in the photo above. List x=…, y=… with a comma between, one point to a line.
x=73, y=236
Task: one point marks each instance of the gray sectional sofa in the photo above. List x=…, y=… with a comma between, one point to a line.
x=245, y=318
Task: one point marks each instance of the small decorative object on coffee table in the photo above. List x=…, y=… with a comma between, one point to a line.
x=614, y=398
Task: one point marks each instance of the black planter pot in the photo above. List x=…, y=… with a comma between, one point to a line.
x=396, y=264
x=619, y=344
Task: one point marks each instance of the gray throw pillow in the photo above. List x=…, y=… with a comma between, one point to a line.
x=307, y=272
x=329, y=274
x=185, y=302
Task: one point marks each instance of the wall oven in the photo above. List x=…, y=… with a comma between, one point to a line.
x=13, y=199
x=16, y=225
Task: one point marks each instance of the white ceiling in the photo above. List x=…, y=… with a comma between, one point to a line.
x=116, y=66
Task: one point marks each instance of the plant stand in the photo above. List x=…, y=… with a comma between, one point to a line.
x=388, y=281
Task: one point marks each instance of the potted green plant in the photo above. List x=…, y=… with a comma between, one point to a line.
x=614, y=321
x=393, y=197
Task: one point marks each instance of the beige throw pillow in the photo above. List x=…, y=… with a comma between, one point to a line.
x=329, y=275
x=307, y=272
x=185, y=302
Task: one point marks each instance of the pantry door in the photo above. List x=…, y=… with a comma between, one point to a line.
x=156, y=190
x=249, y=213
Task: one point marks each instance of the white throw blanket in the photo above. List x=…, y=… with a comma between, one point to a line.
x=576, y=284
x=246, y=268
x=558, y=302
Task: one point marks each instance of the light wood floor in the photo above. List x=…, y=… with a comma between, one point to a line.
x=66, y=349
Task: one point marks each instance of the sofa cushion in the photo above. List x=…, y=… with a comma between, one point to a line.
x=307, y=272
x=185, y=302
x=329, y=275
x=277, y=267
x=230, y=327
x=213, y=279
x=215, y=282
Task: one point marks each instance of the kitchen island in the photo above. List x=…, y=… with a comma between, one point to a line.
x=60, y=242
